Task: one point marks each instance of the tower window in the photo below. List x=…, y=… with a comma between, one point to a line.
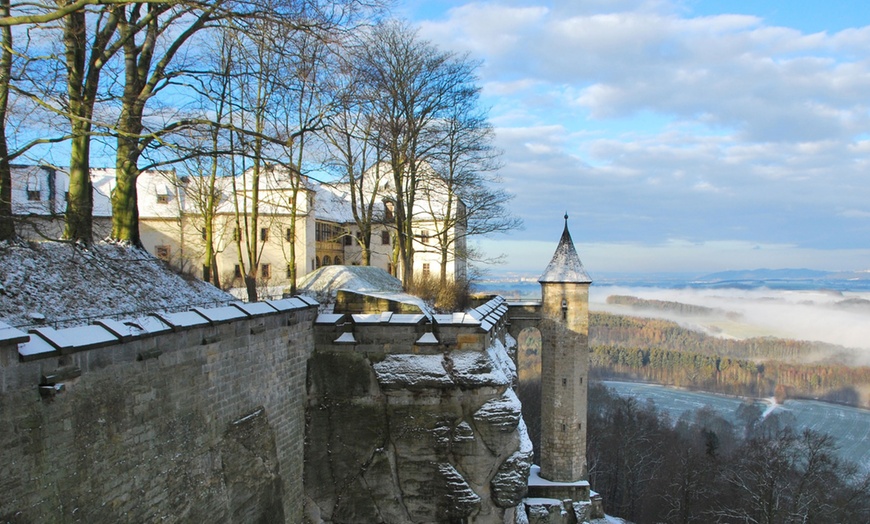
x=564, y=428
x=264, y=234
x=564, y=382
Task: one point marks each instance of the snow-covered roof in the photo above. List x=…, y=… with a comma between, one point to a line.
x=329, y=279
x=332, y=203
x=565, y=265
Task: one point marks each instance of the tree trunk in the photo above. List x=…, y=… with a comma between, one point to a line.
x=125, y=206
x=80, y=205
x=7, y=223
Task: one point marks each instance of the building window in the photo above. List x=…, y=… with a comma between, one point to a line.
x=348, y=239
x=288, y=236
x=162, y=252
x=424, y=237
x=385, y=238
x=162, y=199
x=33, y=195
x=425, y=270
x=265, y=270
x=564, y=382
x=359, y=237
x=337, y=261
x=264, y=234
x=237, y=271
x=388, y=211
x=326, y=260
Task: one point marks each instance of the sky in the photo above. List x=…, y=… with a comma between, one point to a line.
x=678, y=135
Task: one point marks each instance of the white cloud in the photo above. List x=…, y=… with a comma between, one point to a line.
x=649, y=123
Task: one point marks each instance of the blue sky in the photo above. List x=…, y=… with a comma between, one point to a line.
x=680, y=136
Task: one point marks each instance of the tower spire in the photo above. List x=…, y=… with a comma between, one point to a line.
x=565, y=265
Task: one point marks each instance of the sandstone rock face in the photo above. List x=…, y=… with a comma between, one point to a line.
x=404, y=438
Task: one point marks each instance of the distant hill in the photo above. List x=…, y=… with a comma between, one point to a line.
x=769, y=274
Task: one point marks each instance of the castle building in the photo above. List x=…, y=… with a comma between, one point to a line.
x=302, y=224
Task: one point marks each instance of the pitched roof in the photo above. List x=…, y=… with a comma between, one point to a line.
x=565, y=265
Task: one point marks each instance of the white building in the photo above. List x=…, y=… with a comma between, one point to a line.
x=172, y=227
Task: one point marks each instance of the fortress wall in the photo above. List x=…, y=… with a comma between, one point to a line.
x=197, y=424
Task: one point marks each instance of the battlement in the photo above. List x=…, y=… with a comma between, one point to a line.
x=405, y=333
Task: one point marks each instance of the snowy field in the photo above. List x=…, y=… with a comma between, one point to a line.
x=851, y=426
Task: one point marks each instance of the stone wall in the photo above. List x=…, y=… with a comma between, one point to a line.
x=193, y=422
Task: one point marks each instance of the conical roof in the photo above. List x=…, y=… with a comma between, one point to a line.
x=565, y=265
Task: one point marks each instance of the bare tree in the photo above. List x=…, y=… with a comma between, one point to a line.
x=142, y=26
x=411, y=83
x=88, y=46
x=354, y=154
x=465, y=200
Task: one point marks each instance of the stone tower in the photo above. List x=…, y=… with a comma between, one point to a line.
x=564, y=364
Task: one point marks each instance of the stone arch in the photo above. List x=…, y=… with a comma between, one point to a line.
x=529, y=353
x=326, y=260
x=337, y=261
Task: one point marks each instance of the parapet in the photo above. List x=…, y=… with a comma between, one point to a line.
x=389, y=332
x=44, y=354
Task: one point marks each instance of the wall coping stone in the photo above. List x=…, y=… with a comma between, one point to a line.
x=221, y=315
x=77, y=338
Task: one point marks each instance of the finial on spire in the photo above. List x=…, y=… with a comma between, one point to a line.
x=566, y=217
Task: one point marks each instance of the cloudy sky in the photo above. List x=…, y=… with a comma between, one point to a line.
x=679, y=135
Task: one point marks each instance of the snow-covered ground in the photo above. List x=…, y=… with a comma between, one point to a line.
x=53, y=283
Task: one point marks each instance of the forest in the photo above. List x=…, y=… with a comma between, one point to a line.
x=701, y=468
x=649, y=468
x=660, y=351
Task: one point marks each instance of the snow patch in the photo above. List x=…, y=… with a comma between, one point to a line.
x=69, y=284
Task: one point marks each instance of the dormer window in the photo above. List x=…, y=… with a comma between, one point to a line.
x=163, y=194
x=34, y=191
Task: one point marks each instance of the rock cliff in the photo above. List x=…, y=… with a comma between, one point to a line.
x=414, y=438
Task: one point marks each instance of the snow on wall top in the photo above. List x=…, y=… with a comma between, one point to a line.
x=565, y=265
